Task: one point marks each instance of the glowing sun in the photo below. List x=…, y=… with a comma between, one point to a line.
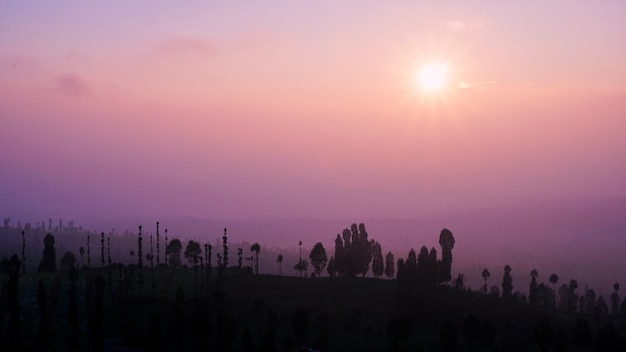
x=432, y=77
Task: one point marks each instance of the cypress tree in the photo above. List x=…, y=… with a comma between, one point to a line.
x=225, y=245
x=102, y=248
x=139, y=252
x=88, y=253
x=109, y=250
x=166, y=246
x=158, y=257
x=23, y=253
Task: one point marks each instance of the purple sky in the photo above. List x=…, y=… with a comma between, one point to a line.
x=283, y=109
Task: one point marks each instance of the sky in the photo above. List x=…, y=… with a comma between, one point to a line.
x=223, y=109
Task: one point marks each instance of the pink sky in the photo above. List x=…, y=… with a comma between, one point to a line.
x=305, y=109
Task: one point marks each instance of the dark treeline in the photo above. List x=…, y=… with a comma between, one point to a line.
x=167, y=294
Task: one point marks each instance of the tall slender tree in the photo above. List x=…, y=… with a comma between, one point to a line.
x=486, y=275
x=279, y=260
x=225, y=252
x=255, y=249
x=507, y=283
x=24, y=253
x=109, y=250
x=615, y=299
x=378, y=267
x=446, y=240
x=389, y=265
x=166, y=244
x=158, y=250
x=88, y=253
x=139, y=251
x=532, y=291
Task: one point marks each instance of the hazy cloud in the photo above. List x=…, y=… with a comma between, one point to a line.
x=71, y=84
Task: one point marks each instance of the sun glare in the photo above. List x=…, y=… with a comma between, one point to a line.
x=432, y=77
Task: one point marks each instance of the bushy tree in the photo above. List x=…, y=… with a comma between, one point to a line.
x=172, y=252
x=193, y=252
x=389, y=265
x=68, y=260
x=301, y=266
x=318, y=258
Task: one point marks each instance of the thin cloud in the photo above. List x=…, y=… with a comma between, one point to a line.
x=71, y=85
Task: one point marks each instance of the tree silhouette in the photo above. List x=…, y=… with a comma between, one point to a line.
x=225, y=247
x=532, y=292
x=109, y=248
x=485, y=275
x=68, y=260
x=239, y=257
x=318, y=258
x=353, y=252
x=23, y=253
x=389, y=265
x=279, y=260
x=48, y=261
x=301, y=266
x=423, y=267
x=88, y=253
x=507, y=283
x=172, y=252
x=601, y=308
x=158, y=248
x=615, y=299
x=139, y=252
x=255, y=249
x=432, y=276
x=572, y=297
x=166, y=244
x=102, y=249
x=378, y=266
x=192, y=252
x=554, y=279
x=331, y=268
x=459, y=283
x=446, y=240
